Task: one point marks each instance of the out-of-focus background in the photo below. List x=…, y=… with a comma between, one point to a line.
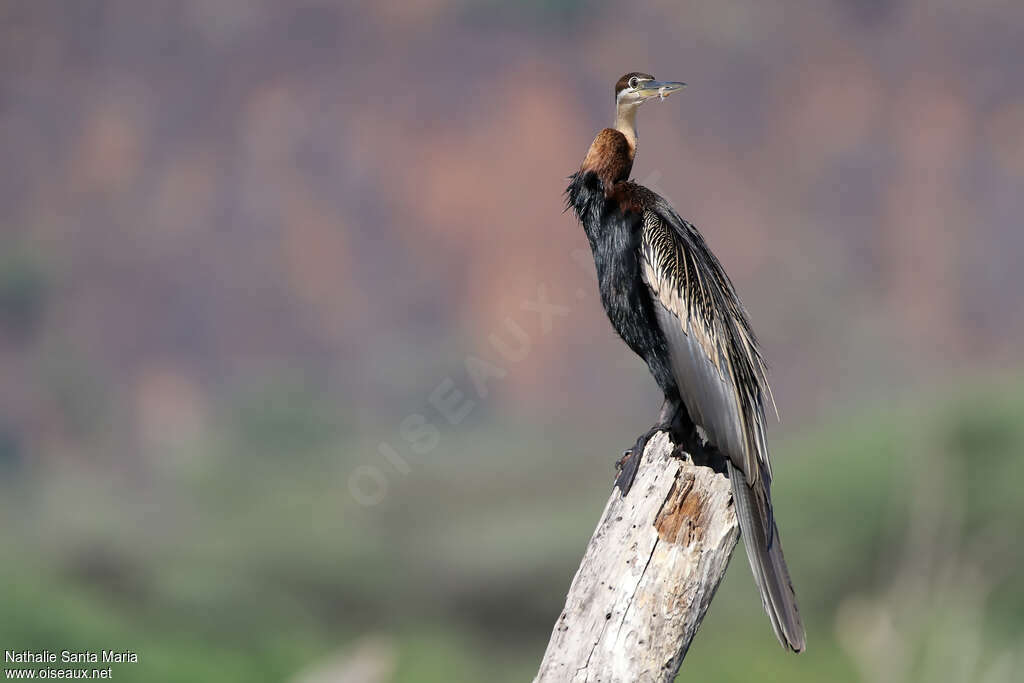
x=305, y=377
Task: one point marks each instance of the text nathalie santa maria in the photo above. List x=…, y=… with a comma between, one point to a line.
x=70, y=656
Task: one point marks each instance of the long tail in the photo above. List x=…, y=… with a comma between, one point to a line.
x=764, y=549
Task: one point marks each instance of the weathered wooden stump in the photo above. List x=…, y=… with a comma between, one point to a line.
x=647, y=577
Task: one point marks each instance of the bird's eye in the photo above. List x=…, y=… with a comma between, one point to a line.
x=633, y=82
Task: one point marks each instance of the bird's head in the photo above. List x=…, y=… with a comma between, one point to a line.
x=631, y=91
x=635, y=88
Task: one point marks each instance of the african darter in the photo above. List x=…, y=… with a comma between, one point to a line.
x=670, y=300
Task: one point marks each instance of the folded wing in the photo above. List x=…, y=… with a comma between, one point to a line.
x=715, y=358
x=721, y=378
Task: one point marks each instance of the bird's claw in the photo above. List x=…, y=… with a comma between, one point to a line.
x=621, y=462
x=626, y=467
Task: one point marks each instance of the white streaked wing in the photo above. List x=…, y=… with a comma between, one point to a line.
x=701, y=365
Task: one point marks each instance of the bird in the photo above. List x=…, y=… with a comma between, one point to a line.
x=669, y=298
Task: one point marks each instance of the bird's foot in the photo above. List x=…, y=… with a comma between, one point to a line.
x=626, y=467
x=680, y=451
x=625, y=470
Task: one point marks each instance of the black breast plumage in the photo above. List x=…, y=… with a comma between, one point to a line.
x=615, y=233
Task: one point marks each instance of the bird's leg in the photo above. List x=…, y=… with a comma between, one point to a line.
x=627, y=466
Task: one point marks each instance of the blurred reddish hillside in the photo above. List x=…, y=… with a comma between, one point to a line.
x=202, y=194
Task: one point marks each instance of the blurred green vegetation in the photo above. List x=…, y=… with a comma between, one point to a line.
x=901, y=523
x=24, y=285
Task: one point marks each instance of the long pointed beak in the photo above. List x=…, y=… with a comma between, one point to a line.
x=659, y=89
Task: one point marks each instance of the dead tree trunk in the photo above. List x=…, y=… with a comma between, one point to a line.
x=647, y=577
